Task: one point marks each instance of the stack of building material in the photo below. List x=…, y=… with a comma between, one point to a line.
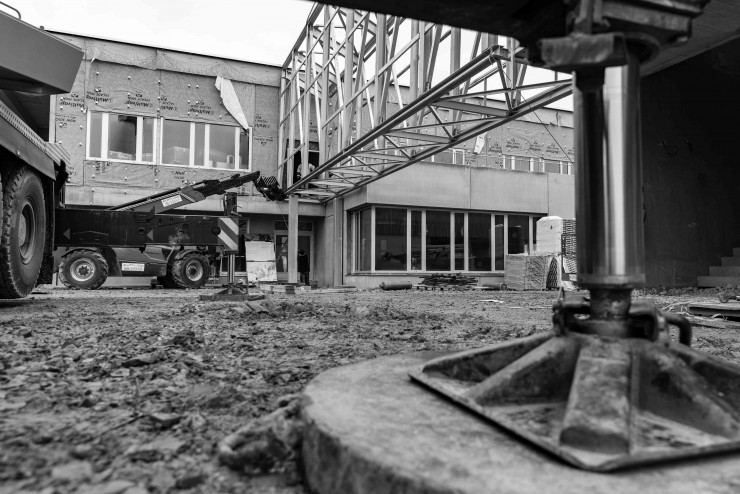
x=525, y=272
x=557, y=237
x=448, y=280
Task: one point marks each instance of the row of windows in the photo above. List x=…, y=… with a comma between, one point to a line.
x=527, y=164
x=132, y=138
x=511, y=162
x=396, y=239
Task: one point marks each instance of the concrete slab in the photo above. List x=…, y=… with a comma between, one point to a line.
x=369, y=429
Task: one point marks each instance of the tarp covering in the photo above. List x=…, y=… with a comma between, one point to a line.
x=231, y=101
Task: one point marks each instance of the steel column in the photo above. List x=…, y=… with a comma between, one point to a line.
x=609, y=180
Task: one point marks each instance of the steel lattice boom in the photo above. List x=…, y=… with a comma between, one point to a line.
x=364, y=95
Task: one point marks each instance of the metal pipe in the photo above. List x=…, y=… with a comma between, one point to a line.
x=610, y=247
x=232, y=266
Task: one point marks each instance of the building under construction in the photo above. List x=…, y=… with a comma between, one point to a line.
x=489, y=156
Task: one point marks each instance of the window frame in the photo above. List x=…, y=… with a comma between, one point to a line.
x=105, y=133
x=354, y=218
x=206, y=145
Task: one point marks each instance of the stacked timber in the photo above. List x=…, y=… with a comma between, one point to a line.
x=524, y=272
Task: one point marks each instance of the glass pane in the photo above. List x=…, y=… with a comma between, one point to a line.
x=121, y=137
x=552, y=166
x=479, y=242
x=363, y=241
x=443, y=157
x=521, y=163
x=459, y=241
x=96, y=135
x=499, y=225
x=147, y=144
x=390, y=239
x=222, y=153
x=281, y=253
x=438, y=241
x=244, y=149
x=518, y=234
x=176, y=142
x=415, y=240
x=350, y=242
x=200, y=144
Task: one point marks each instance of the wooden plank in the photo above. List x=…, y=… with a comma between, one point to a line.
x=730, y=310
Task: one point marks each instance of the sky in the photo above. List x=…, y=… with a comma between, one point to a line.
x=255, y=30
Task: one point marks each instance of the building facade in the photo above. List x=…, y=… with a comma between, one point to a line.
x=142, y=119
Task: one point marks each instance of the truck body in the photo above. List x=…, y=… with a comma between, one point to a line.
x=33, y=65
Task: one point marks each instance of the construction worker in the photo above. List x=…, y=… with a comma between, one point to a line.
x=304, y=266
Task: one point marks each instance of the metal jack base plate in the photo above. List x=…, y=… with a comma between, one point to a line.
x=598, y=403
x=231, y=293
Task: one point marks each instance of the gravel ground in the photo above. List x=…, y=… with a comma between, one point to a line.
x=129, y=391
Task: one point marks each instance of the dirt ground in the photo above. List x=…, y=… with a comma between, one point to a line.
x=129, y=391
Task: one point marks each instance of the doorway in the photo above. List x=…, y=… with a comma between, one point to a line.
x=305, y=242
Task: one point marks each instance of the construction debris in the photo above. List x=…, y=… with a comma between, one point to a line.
x=447, y=281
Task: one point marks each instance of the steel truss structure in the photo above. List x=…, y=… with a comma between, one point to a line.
x=370, y=93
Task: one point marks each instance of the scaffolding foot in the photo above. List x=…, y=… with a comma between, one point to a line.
x=231, y=293
x=598, y=403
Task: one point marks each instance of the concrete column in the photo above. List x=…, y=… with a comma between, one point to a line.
x=338, y=241
x=293, y=239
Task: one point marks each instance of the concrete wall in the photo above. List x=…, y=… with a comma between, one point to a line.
x=436, y=185
x=691, y=174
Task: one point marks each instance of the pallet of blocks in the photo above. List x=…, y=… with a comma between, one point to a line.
x=525, y=272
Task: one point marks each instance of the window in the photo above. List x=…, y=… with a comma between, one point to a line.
x=205, y=145
x=552, y=166
x=500, y=234
x=282, y=226
x=415, y=240
x=521, y=163
x=438, y=241
x=364, y=235
x=459, y=241
x=118, y=137
x=390, y=239
x=382, y=239
x=479, y=242
x=518, y=234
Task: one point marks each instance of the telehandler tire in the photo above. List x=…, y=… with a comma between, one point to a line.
x=191, y=271
x=22, y=232
x=83, y=269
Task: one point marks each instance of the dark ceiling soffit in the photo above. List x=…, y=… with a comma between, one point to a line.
x=525, y=20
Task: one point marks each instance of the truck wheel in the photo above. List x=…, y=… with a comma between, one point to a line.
x=191, y=271
x=22, y=233
x=166, y=281
x=83, y=269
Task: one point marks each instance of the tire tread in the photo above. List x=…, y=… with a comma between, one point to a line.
x=177, y=271
x=93, y=254
x=8, y=285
